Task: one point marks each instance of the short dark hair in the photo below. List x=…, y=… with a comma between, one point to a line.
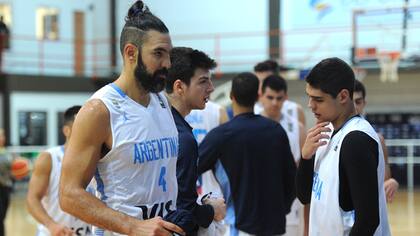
x=267, y=65
x=184, y=62
x=70, y=114
x=331, y=75
x=359, y=87
x=275, y=82
x=138, y=21
x=245, y=89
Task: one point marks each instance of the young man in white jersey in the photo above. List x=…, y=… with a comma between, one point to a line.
x=205, y=120
x=42, y=197
x=341, y=174
x=202, y=121
x=269, y=67
x=126, y=138
x=359, y=98
x=189, y=87
x=272, y=98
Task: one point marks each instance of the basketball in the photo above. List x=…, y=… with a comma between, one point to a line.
x=20, y=168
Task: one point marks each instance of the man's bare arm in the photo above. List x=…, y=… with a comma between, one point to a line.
x=385, y=151
x=390, y=185
x=38, y=187
x=301, y=115
x=302, y=135
x=223, y=118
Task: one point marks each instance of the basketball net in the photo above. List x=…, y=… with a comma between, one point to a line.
x=388, y=62
x=359, y=73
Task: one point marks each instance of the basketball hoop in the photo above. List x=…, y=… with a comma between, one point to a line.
x=388, y=62
x=359, y=73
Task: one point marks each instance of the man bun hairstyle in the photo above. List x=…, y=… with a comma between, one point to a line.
x=138, y=21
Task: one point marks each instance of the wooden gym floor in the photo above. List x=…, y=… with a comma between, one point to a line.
x=404, y=215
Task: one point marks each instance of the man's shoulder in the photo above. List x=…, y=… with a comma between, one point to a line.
x=185, y=133
x=95, y=108
x=358, y=138
x=181, y=124
x=187, y=141
x=360, y=129
x=267, y=122
x=272, y=127
x=221, y=130
x=55, y=149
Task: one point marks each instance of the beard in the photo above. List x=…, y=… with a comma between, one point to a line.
x=153, y=83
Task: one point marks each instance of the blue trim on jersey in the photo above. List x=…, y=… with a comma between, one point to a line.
x=223, y=180
x=62, y=149
x=99, y=232
x=229, y=111
x=118, y=89
x=100, y=185
x=233, y=231
x=59, y=160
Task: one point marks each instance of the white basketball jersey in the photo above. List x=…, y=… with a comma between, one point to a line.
x=202, y=121
x=258, y=108
x=51, y=203
x=290, y=108
x=326, y=215
x=138, y=175
x=291, y=126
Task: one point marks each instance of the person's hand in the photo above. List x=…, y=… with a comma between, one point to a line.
x=390, y=186
x=155, y=227
x=59, y=230
x=314, y=139
x=219, y=207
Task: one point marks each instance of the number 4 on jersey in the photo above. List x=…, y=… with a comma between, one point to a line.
x=162, y=181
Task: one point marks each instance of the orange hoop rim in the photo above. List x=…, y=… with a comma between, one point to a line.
x=393, y=55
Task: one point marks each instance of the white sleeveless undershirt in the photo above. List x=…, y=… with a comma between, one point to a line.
x=51, y=201
x=326, y=215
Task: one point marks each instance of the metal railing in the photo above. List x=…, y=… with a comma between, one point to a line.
x=408, y=160
x=26, y=149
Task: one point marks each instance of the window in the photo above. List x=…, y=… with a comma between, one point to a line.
x=60, y=136
x=5, y=14
x=5, y=19
x=47, y=23
x=32, y=128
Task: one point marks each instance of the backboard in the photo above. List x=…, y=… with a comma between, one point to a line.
x=382, y=30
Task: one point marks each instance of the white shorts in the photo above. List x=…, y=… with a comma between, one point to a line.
x=214, y=229
x=295, y=220
x=231, y=231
